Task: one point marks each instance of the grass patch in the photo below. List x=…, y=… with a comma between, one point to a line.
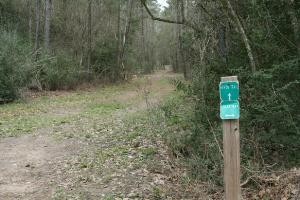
x=133, y=135
x=149, y=152
x=157, y=193
x=53, y=110
x=109, y=197
x=103, y=108
x=60, y=194
x=94, y=161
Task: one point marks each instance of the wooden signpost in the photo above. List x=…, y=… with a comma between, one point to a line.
x=230, y=114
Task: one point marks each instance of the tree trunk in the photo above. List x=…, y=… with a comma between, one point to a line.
x=118, y=67
x=30, y=21
x=48, y=5
x=89, y=36
x=181, y=56
x=295, y=24
x=125, y=37
x=153, y=56
x=176, y=65
x=236, y=21
x=223, y=49
x=143, y=39
x=37, y=28
x=178, y=39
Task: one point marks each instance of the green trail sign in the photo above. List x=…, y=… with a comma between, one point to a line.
x=229, y=94
x=229, y=91
x=230, y=110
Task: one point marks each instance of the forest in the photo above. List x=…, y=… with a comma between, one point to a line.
x=119, y=99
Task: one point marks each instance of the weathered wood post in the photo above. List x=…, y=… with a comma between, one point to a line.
x=230, y=114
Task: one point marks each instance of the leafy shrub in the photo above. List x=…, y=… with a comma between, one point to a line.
x=17, y=70
x=104, y=59
x=270, y=103
x=59, y=72
x=270, y=120
x=8, y=15
x=15, y=65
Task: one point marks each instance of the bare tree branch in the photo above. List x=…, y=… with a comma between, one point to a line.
x=183, y=21
x=157, y=18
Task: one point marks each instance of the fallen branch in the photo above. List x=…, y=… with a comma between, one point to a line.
x=267, y=179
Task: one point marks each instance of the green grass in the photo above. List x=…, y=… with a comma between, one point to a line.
x=60, y=194
x=69, y=107
x=51, y=111
x=149, y=152
x=109, y=197
x=157, y=193
x=133, y=135
x=98, y=109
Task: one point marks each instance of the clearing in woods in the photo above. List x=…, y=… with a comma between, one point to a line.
x=94, y=144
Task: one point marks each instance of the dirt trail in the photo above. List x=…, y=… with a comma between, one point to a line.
x=54, y=161
x=29, y=163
